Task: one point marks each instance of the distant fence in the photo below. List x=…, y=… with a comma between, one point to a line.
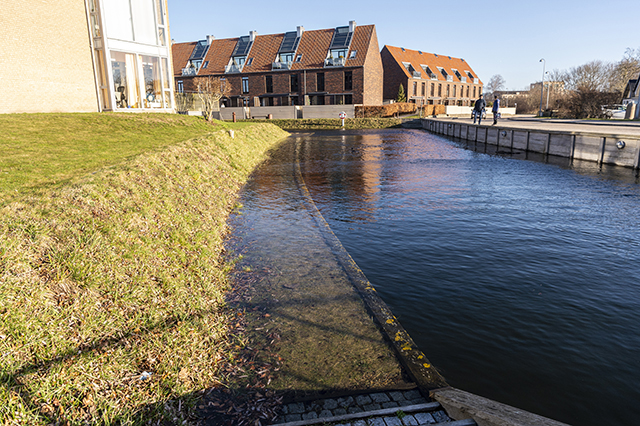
x=615, y=149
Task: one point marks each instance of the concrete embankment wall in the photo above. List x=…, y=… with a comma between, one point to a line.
x=603, y=149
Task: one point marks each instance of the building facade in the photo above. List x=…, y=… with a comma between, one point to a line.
x=91, y=55
x=334, y=66
x=428, y=78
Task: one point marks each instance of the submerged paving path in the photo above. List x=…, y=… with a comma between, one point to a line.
x=344, y=359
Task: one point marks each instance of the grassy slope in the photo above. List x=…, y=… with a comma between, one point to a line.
x=118, y=272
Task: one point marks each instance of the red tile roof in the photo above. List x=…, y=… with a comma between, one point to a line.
x=314, y=46
x=181, y=53
x=418, y=58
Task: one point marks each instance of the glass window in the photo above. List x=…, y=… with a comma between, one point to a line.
x=125, y=80
x=454, y=90
x=433, y=89
x=268, y=82
x=320, y=82
x=118, y=15
x=160, y=11
x=152, y=82
x=166, y=82
x=294, y=83
x=145, y=28
x=348, y=80
x=415, y=88
x=245, y=84
x=423, y=89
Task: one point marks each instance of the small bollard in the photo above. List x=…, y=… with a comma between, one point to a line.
x=234, y=117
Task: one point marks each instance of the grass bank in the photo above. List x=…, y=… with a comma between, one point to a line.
x=112, y=275
x=333, y=123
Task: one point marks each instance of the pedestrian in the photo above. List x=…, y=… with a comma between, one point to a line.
x=495, y=109
x=478, y=109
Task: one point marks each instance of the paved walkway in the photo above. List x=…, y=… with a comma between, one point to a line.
x=393, y=408
x=603, y=127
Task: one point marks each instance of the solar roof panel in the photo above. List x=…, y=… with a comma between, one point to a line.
x=290, y=42
x=200, y=50
x=243, y=46
x=341, y=38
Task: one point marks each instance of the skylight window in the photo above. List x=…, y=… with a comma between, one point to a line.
x=200, y=50
x=289, y=42
x=341, y=38
x=353, y=53
x=443, y=72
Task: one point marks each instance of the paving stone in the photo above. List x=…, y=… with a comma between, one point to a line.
x=284, y=409
x=392, y=421
x=353, y=410
x=359, y=423
x=424, y=418
x=378, y=421
x=339, y=412
x=293, y=418
x=296, y=408
x=405, y=402
x=409, y=421
x=325, y=413
x=397, y=396
x=412, y=394
x=440, y=416
x=371, y=407
x=330, y=404
x=379, y=397
x=346, y=402
x=363, y=400
x=389, y=404
x=419, y=401
x=310, y=415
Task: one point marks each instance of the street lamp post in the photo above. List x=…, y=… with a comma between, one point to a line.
x=542, y=85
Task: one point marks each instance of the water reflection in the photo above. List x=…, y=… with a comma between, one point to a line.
x=517, y=278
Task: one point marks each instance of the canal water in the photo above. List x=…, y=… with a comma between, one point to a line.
x=518, y=278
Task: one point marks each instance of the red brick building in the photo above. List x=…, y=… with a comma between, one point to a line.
x=318, y=67
x=428, y=78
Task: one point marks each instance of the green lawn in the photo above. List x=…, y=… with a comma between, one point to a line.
x=44, y=150
x=112, y=270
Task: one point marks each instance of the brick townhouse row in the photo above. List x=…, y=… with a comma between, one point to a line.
x=319, y=67
x=333, y=66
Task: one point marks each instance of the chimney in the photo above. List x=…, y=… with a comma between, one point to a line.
x=210, y=39
x=300, y=31
x=252, y=35
x=352, y=26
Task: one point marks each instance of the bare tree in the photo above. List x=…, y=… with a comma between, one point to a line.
x=590, y=77
x=628, y=68
x=210, y=90
x=495, y=83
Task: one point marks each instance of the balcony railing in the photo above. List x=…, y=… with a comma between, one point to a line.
x=449, y=78
x=189, y=72
x=281, y=65
x=334, y=62
x=416, y=74
x=476, y=81
x=233, y=68
x=463, y=79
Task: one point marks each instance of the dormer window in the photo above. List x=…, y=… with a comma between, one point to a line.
x=353, y=53
x=443, y=72
x=299, y=58
x=429, y=72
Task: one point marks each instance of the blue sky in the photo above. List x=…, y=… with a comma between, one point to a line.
x=494, y=37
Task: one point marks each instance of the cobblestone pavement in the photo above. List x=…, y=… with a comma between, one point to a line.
x=393, y=408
